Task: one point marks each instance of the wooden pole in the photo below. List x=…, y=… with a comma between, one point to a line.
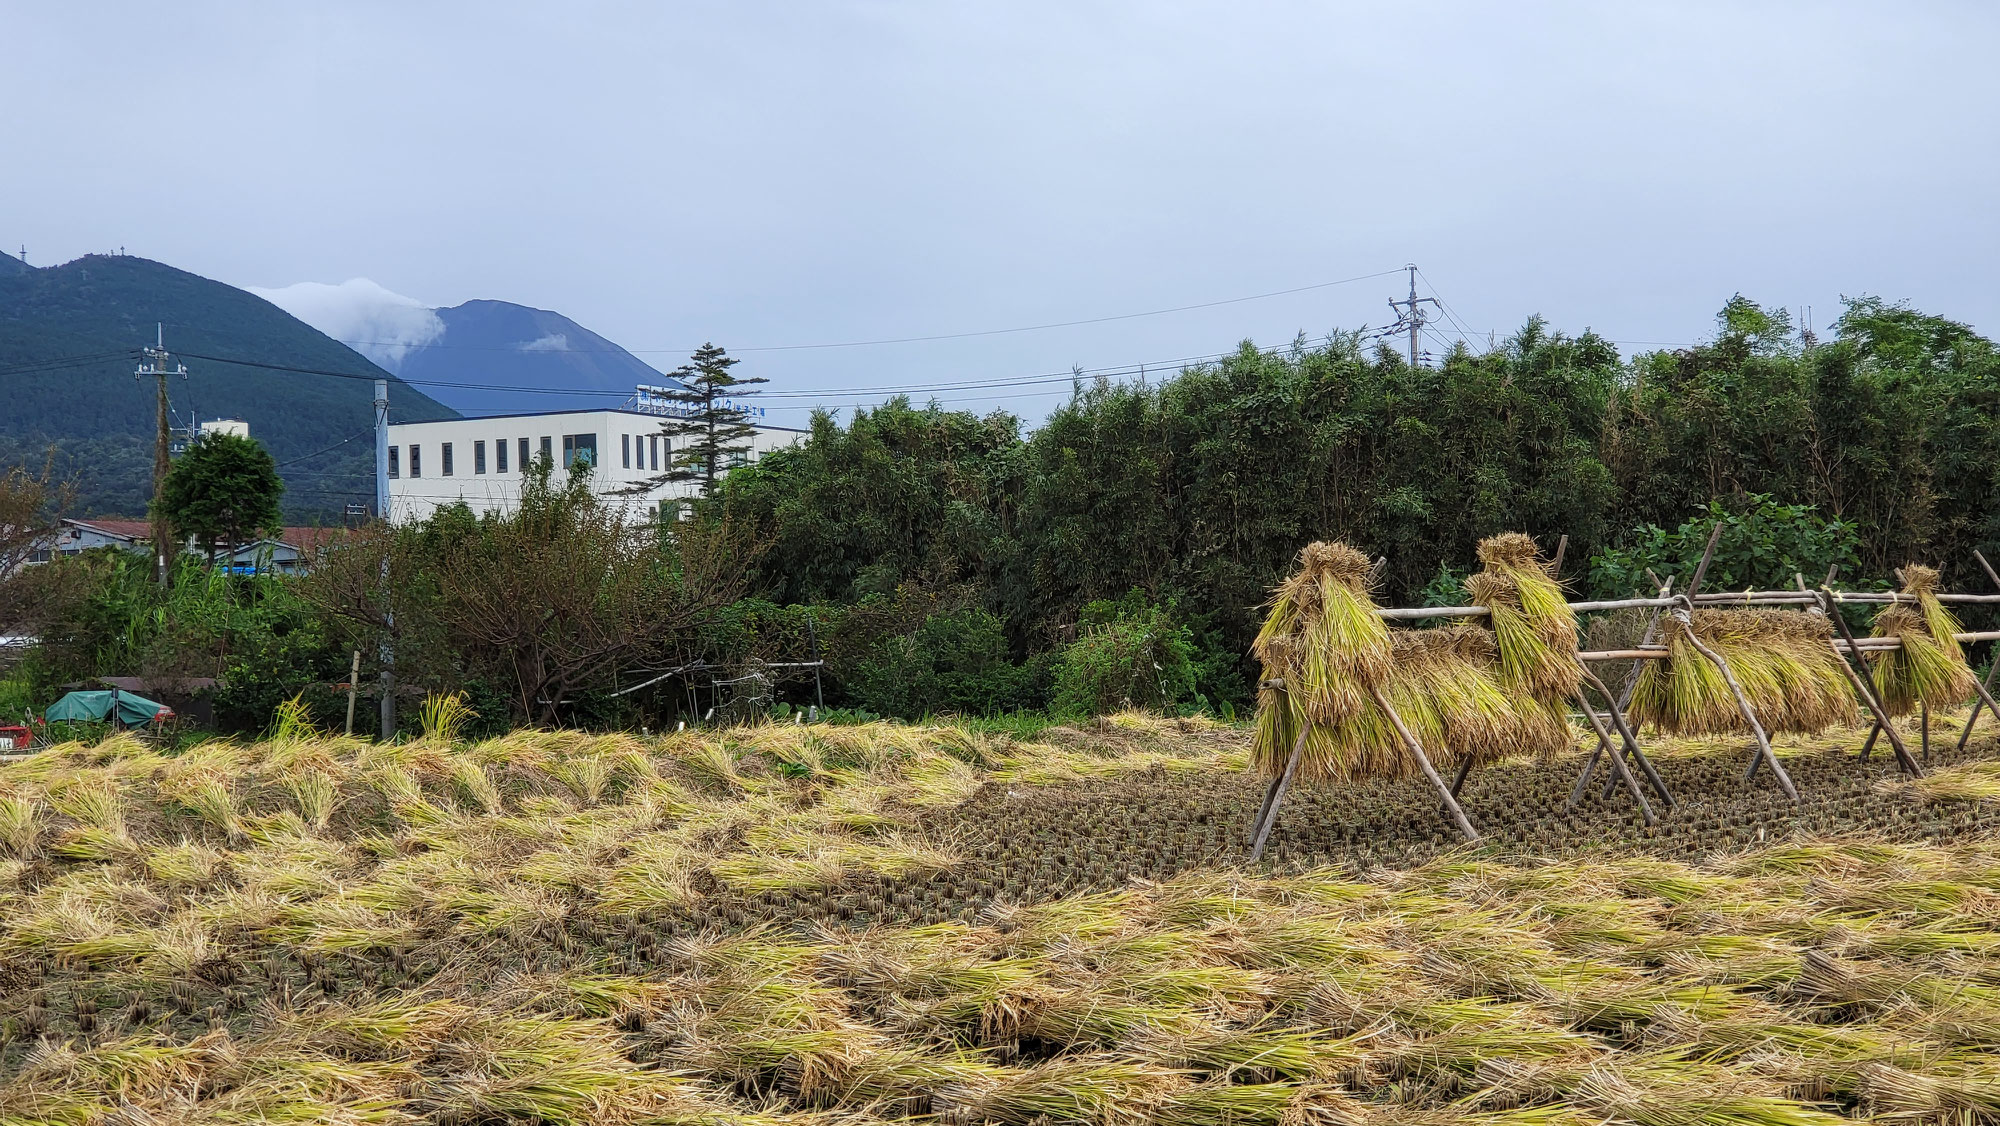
x=1985, y=696
x=1458, y=782
x=1624, y=698
x=1556, y=561
x=1264, y=810
x=1990, y=668
x=1424, y=761
x=1277, y=796
x=353, y=684
x=1742, y=703
x=1619, y=770
x=1652, y=625
x=1867, y=691
x=1632, y=747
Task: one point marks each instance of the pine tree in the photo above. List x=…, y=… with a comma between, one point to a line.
x=711, y=423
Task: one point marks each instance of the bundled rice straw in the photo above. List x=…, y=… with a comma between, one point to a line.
x=1533, y=626
x=1443, y=683
x=1783, y=660
x=1929, y=668
x=1323, y=636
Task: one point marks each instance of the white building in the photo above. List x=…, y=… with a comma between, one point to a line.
x=481, y=460
x=233, y=426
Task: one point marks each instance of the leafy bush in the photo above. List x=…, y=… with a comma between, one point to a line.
x=1763, y=546
x=1128, y=653
x=953, y=662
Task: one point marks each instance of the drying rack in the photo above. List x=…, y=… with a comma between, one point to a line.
x=1617, y=742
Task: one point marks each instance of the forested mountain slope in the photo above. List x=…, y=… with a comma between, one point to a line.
x=69, y=337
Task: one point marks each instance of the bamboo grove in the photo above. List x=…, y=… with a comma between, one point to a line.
x=1198, y=489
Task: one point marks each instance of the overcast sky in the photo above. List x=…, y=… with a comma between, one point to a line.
x=764, y=175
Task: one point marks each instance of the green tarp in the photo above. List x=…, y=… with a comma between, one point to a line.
x=133, y=710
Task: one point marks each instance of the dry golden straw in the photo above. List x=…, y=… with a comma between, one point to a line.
x=1929, y=668
x=1446, y=685
x=1532, y=623
x=1783, y=659
x=1323, y=637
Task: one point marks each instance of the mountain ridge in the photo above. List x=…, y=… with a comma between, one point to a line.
x=500, y=357
x=69, y=341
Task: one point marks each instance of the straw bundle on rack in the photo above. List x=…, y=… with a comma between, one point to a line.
x=1533, y=626
x=1783, y=659
x=1323, y=637
x=1929, y=668
x=1446, y=687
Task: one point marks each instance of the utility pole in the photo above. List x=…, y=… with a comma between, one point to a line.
x=388, y=677
x=1411, y=315
x=157, y=363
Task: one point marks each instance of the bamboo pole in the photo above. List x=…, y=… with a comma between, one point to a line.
x=1991, y=668
x=1620, y=771
x=1424, y=761
x=1867, y=693
x=1632, y=746
x=1861, y=596
x=1276, y=798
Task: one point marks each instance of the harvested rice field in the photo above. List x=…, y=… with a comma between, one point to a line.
x=852, y=924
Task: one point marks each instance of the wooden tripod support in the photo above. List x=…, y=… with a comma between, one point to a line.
x=1274, y=795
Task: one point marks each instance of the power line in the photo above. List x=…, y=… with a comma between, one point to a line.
x=886, y=389
x=57, y=363
x=1444, y=306
x=328, y=450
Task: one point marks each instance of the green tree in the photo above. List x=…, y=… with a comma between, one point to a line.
x=900, y=494
x=712, y=425
x=223, y=491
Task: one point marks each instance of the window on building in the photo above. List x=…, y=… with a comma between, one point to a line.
x=625, y=450
x=579, y=449
x=548, y=454
x=444, y=458
x=499, y=455
x=524, y=455
x=738, y=458
x=653, y=443
x=416, y=467
x=395, y=461
x=479, y=457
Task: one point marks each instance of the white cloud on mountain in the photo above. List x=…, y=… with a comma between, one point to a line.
x=378, y=323
x=553, y=342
